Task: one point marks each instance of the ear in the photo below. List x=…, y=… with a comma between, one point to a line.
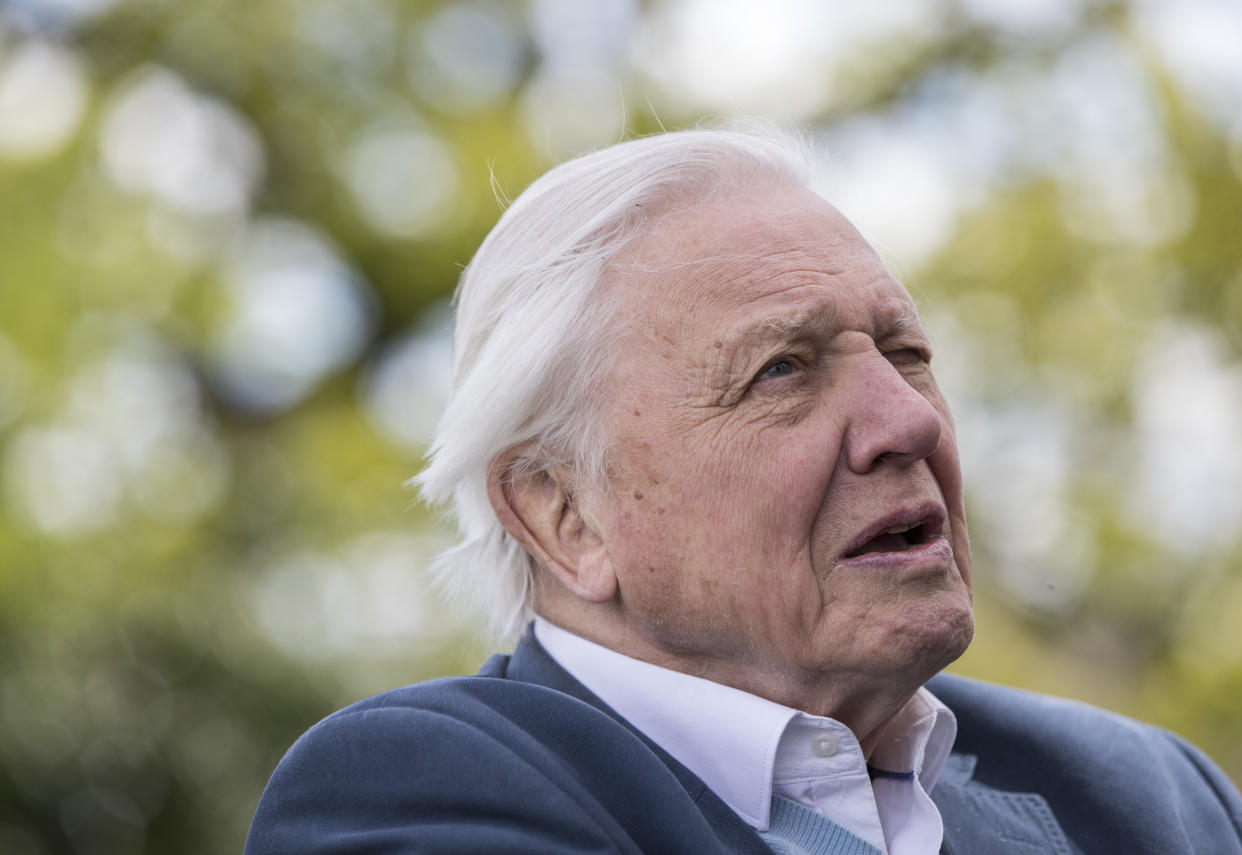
x=535, y=502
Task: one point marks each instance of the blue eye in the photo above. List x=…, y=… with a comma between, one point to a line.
x=779, y=368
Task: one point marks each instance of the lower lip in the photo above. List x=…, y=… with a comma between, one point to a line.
x=936, y=554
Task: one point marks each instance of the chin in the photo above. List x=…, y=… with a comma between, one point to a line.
x=933, y=635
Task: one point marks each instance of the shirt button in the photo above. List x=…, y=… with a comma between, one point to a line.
x=824, y=746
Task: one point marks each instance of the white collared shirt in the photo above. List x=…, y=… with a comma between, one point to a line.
x=747, y=749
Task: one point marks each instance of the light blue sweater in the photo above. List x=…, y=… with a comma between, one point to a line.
x=798, y=830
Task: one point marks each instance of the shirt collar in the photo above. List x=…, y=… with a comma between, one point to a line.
x=727, y=737
x=918, y=739
x=724, y=735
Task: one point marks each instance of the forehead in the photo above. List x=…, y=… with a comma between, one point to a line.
x=719, y=267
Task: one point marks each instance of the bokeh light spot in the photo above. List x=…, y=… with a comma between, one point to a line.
x=192, y=152
x=42, y=95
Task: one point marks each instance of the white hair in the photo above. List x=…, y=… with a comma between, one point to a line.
x=533, y=341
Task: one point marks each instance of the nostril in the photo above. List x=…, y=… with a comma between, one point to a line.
x=881, y=459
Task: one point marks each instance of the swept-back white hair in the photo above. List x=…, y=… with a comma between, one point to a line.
x=533, y=341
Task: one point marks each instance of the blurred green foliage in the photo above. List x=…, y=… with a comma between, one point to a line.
x=227, y=231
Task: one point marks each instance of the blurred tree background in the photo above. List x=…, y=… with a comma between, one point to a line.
x=229, y=230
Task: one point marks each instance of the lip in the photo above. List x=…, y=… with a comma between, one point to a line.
x=928, y=514
x=936, y=554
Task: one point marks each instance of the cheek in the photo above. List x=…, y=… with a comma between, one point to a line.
x=703, y=527
x=769, y=499
x=947, y=470
x=721, y=499
x=651, y=527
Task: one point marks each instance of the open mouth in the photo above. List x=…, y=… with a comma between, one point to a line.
x=896, y=539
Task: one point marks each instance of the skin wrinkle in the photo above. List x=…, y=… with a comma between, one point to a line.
x=731, y=498
x=771, y=337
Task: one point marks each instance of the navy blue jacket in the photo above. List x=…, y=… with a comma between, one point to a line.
x=524, y=759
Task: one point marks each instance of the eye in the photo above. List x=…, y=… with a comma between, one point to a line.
x=908, y=356
x=777, y=368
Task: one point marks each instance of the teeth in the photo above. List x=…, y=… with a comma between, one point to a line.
x=899, y=529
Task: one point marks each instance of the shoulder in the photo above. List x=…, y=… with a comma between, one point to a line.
x=469, y=719
x=414, y=769
x=474, y=717
x=990, y=716
x=991, y=706
x=1090, y=764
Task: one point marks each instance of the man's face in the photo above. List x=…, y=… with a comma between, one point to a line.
x=786, y=499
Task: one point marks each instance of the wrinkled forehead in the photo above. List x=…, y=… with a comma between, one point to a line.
x=787, y=252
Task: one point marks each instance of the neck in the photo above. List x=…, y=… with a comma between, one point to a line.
x=860, y=701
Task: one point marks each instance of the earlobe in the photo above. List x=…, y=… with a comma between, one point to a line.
x=537, y=505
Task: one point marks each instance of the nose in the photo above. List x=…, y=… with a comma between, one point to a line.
x=890, y=421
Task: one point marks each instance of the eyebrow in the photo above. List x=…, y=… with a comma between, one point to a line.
x=807, y=323
x=893, y=324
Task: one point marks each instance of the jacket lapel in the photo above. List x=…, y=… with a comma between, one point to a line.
x=530, y=663
x=980, y=819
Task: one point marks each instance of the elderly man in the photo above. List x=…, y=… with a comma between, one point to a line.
x=695, y=432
